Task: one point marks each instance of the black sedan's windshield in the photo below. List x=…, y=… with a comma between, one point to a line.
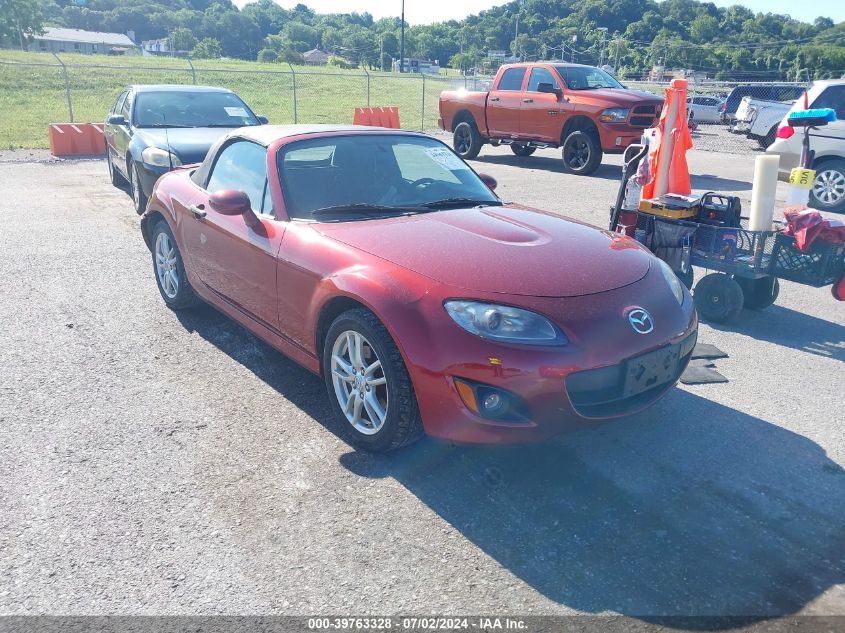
x=586, y=78
x=191, y=109
x=344, y=177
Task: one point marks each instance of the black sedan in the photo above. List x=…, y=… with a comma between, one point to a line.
x=152, y=129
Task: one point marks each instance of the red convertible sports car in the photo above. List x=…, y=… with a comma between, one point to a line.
x=380, y=260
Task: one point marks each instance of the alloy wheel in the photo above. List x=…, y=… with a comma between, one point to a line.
x=829, y=187
x=577, y=154
x=463, y=140
x=166, y=266
x=360, y=384
x=136, y=189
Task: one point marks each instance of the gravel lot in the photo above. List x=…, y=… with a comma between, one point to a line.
x=155, y=463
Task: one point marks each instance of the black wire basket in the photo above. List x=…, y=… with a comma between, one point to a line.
x=823, y=264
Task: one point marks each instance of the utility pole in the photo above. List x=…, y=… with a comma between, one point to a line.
x=402, y=41
x=616, y=60
x=381, y=54
x=603, y=30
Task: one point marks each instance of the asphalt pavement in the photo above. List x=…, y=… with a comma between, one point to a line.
x=159, y=463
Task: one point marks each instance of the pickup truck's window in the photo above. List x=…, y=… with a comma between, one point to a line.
x=541, y=76
x=241, y=165
x=512, y=79
x=833, y=97
x=374, y=174
x=785, y=93
x=586, y=78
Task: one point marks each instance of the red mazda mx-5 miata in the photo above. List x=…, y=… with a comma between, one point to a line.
x=381, y=261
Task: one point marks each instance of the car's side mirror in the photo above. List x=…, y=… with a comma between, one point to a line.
x=550, y=89
x=116, y=119
x=488, y=180
x=263, y=120
x=230, y=202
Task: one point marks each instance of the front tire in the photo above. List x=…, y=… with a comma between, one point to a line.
x=139, y=200
x=522, y=150
x=581, y=153
x=718, y=298
x=466, y=140
x=828, y=193
x=169, y=269
x=368, y=384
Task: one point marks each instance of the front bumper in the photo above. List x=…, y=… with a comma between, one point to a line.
x=563, y=388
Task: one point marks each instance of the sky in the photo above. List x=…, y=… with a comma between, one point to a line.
x=428, y=11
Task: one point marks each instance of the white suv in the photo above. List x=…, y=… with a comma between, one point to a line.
x=828, y=143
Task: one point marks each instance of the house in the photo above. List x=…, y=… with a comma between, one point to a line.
x=412, y=65
x=156, y=47
x=316, y=57
x=61, y=40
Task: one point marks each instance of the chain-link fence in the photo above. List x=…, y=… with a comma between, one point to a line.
x=34, y=94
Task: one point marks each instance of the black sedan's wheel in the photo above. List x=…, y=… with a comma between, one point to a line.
x=466, y=140
x=718, y=298
x=139, y=200
x=169, y=269
x=368, y=384
x=758, y=294
x=522, y=150
x=581, y=153
x=117, y=178
x=828, y=193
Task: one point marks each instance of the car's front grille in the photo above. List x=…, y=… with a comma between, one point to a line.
x=598, y=393
x=645, y=109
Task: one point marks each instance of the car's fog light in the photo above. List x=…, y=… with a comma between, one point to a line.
x=491, y=402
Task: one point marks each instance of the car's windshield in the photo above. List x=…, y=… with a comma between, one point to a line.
x=586, y=78
x=379, y=173
x=191, y=109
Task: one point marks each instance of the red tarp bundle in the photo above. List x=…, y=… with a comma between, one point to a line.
x=809, y=226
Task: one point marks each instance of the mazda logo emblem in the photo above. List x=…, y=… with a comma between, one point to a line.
x=640, y=321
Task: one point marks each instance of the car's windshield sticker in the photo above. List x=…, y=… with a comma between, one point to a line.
x=445, y=158
x=235, y=111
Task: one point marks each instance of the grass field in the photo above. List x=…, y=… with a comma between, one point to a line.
x=32, y=90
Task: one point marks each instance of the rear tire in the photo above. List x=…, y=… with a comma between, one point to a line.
x=522, y=150
x=758, y=294
x=828, y=192
x=581, y=152
x=466, y=140
x=376, y=409
x=718, y=298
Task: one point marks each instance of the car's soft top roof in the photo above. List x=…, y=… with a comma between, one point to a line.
x=267, y=134
x=176, y=87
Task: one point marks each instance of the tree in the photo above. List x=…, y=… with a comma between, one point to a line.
x=18, y=20
x=182, y=40
x=208, y=48
x=267, y=56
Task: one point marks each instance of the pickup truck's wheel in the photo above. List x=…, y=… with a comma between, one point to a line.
x=522, y=150
x=828, y=193
x=581, y=153
x=466, y=140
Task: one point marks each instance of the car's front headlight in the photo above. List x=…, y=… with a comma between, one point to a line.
x=160, y=158
x=614, y=115
x=504, y=324
x=671, y=278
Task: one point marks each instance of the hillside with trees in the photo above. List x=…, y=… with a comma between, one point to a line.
x=631, y=35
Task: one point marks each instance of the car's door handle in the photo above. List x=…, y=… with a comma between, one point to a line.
x=494, y=98
x=198, y=210
x=528, y=101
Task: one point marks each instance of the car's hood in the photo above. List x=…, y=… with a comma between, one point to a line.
x=614, y=96
x=500, y=249
x=190, y=144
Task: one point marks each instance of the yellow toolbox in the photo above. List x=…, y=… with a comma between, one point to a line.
x=672, y=206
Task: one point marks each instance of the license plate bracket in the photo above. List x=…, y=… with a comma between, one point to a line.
x=651, y=370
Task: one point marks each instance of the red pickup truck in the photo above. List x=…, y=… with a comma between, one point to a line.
x=580, y=108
